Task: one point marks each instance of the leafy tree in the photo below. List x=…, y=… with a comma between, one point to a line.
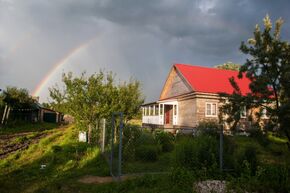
x=268, y=68
x=89, y=99
x=130, y=99
x=229, y=66
x=16, y=97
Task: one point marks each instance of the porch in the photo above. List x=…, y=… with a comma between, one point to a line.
x=163, y=114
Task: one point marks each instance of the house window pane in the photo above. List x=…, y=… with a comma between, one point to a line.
x=156, y=109
x=213, y=109
x=208, y=109
x=161, y=109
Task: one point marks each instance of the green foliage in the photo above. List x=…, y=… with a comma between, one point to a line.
x=208, y=127
x=258, y=134
x=147, y=153
x=268, y=69
x=268, y=178
x=90, y=98
x=16, y=98
x=198, y=153
x=165, y=140
x=181, y=179
x=229, y=66
x=139, y=145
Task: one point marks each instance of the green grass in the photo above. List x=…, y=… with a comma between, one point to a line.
x=67, y=161
x=26, y=127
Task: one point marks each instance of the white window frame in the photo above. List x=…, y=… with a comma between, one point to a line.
x=211, y=109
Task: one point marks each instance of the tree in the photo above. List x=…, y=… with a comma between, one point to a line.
x=268, y=68
x=130, y=98
x=89, y=99
x=229, y=66
x=16, y=97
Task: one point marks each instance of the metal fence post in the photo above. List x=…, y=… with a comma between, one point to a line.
x=221, y=147
x=112, y=145
x=120, y=145
x=104, y=135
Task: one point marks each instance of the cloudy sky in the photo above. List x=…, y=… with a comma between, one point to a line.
x=133, y=38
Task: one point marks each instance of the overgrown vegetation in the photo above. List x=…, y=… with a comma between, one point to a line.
x=188, y=159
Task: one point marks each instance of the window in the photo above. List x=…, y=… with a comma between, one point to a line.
x=161, y=109
x=211, y=110
x=152, y=110
x=156, y=109
x=243, y=112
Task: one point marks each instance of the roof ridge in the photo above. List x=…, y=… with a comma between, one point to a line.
x=213, y=68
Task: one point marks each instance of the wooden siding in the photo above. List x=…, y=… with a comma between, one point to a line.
x=174, y=86
x=201, y=108
x=187, y=113
x=192, y=110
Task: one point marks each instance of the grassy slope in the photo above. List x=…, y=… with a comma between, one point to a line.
x=67, y=160
x=27, y=127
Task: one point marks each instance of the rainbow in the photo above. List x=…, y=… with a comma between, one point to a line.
x=57, y=66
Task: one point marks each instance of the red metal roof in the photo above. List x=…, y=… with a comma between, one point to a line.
x=212, y=80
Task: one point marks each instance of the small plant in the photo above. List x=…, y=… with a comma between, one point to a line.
x=181, y=179
x=199, y=152
x=165, y=140
x=147, y=153
x=258, y=134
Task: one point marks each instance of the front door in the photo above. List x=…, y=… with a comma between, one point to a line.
x=168, y=114
x=167, y=117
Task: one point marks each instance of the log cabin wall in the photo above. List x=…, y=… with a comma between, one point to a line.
x=187, y=112
x=174, y=86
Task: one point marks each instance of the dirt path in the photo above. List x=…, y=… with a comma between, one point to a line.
x=10, y=143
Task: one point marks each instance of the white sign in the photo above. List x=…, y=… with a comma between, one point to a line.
x=83, y=136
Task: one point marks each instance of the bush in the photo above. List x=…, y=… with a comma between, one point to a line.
x=247, y=160
x=208, y=128
x=165, y=140
x=197, y=153
x=258, y=134
x=56, y=148
x=181, y=180
x=134, y=141
x=268, y=178
x=147, y=153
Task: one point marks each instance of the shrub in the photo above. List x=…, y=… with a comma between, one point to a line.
x=248, y=156
x=181, y=179
x=258, y=134
x=197, y=153
x=134, y=141
x=165, y=140
x=56, y=148
x=147, y=153
x=208, y=128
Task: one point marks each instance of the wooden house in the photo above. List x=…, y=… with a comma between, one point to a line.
x=190, y=95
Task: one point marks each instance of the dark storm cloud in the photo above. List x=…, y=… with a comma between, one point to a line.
x=132, y=37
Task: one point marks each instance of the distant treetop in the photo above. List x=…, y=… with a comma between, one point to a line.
x=229, y=66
